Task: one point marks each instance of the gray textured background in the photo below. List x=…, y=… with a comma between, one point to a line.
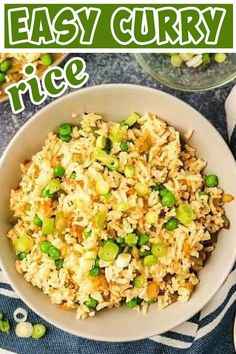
x=122, y=68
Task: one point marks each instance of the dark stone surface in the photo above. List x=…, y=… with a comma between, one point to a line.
x=122, y=68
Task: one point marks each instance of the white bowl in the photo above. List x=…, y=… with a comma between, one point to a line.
x=115, y=102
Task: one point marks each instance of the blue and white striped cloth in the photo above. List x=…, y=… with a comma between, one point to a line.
x=209, y=332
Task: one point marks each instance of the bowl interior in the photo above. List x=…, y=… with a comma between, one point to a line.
x=188, y=79
x=115, y=102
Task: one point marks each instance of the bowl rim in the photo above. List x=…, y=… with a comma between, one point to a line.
x=30, y=303
x=140, y=59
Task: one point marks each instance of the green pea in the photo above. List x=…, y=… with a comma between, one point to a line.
x=2, y=77
x=171, y=224
x=123, y=146
x=65, y=129
x=91, y=303
x=156, y=187
x=94, y=272
x=54, y=253
x=46, y=59
x=143, y=239
x=45, y=246
x=168, y=199
x=38, y=331
x=21, y=255
x=65, y=138
x=163, y=191
x=59, y=171
x=37, y=221
x=5, y=65
x=59, y=263
x=120, y=241
x=132, y=303
x=211, y=181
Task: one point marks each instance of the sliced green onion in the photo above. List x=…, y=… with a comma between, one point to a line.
x=101, y=142
x=131, y=239
x=102, y=187
x=141, y=189
x=150, y=260
x=100, y=220
x=46, y=193
x=39, y=331
x=107, y=197
x=5, y=326
x=139, y=281
x=159, y=249
x=54, y=186
x=129, y=171
x=48, y=226
x=131, y=119
x=151, y=217
x=176, y=60
x=23, y=244
x=109, y=251
x=87, y=233
x=73, y=175
x=206, y=59
x=184, y=214
x=112, y=163
x=220, y=58
x=116, y=134
x=60, y=222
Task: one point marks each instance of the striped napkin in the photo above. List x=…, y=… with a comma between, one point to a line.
x=208, y=332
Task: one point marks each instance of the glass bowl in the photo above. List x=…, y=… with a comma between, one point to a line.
x=205, y=77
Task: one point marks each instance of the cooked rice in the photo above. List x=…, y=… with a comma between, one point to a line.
x=158, y=155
